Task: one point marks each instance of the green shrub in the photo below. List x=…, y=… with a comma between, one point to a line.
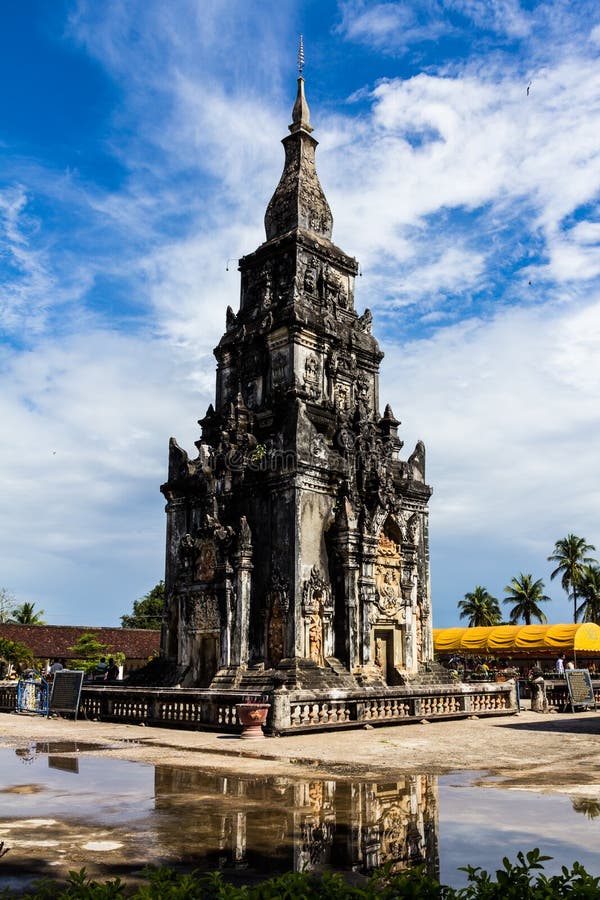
x=523, y=880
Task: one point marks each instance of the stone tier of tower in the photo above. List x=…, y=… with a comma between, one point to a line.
x=297, y=540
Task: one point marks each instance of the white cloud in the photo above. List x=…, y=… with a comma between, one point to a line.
x=471, y=143
x=508, y=412
x=86, y=422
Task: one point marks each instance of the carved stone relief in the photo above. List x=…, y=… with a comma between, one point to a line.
x=275, y=632
x=202, y=613
x=280, y=364
x=387, y=577
x=312, y=376
x=315, y=638
x=365, y=322
x=343, y=397
x=206, y=560
x=310, y=280
x=316, y=601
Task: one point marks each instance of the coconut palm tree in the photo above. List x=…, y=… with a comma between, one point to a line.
x=25, y=615
x=589, y=591
x=589, y=806
x=525, y=594
x=480, y=608
x=570, y=554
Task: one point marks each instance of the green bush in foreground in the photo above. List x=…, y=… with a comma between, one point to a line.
x=523, y=880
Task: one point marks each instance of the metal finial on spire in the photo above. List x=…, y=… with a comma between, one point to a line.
x=301, y=57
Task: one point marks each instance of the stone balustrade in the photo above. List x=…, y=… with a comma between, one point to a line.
x=291, y=711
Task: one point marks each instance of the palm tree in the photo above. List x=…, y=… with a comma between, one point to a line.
x=25, y=615
x=589, y=591
x=525, y=594
x=480, y=608
x=570, y=554
x=589, y=806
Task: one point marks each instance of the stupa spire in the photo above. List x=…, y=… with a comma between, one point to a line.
x=300, y=112
x=299, y=200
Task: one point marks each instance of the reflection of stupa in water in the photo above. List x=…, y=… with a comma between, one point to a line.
x=277, y=824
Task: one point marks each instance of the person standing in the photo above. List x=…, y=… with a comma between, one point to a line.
x=56, y=666
x=112, y=673
x=560, y=666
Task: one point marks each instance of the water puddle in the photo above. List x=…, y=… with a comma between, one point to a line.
x=61, y=809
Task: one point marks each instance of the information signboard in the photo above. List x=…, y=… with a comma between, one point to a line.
x=581, y=691
x=66, y=691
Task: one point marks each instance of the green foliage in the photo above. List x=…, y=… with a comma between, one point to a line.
x=523, y=880
x=588, y=587
x=525, y=595
x=480, y=608
x=571, y=555
x=88, y=649
x=7, y=604
x=148, y=610
x=16, y=653
x=25, y=615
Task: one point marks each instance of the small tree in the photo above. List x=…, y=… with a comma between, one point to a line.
x=7, y=604
x=88, y=649
x=25, y=615
x=148, y=610
x=15, y=653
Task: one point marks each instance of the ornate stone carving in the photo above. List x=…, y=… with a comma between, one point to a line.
x=245, y=536
x=315, y=638
x=310, y=280
x=343, y=397
x=387, y=576
x=275, y=630
x=203, y=613
x=206, y=560
x=412, y=528
x=314, y=592
x=279, y=367
x=319, y=447
x=312, y=376
x=365, y=322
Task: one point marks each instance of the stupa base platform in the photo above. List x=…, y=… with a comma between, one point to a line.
x=292, y=711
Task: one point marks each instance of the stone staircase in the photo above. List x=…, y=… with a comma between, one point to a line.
x=430, y=673
x=294, y=673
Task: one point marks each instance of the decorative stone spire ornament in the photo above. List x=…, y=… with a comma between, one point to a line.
x=299, y=200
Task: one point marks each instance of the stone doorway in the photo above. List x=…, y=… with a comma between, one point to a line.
x=207, y=659
x=384, y=653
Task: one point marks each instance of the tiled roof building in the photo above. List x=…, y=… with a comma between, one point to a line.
x=48, y=641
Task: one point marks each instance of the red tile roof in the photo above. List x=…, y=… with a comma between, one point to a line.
x=46, y=641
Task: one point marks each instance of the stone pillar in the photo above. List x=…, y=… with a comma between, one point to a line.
x=243, y=586
x=539, y=700
x=169, y=638
x=409, y=581
x=367, y=588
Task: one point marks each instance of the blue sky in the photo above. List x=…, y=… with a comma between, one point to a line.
x=139, y=146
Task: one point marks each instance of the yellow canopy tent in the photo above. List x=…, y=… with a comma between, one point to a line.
x=519, y=640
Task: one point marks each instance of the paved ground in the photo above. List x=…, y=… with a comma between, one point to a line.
x=552, y=752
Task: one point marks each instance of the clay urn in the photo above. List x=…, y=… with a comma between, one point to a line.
x=252, y=716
